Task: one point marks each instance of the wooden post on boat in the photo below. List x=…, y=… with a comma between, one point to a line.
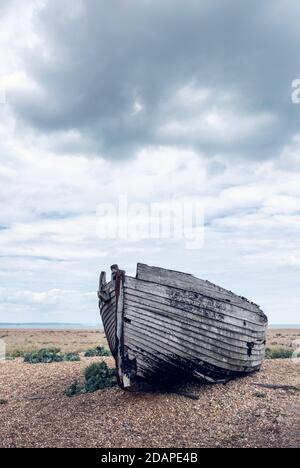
x=118, y=277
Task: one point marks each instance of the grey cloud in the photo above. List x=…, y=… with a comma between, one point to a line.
x=101, y=60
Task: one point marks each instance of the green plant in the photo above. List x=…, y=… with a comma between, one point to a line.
x=48, y=355
x=99, y=376
x=73, y=389
x=72, y=357
x=43, y=356
x=16, y=353
x=260, y=395
x=278, y=353
x=99, y=351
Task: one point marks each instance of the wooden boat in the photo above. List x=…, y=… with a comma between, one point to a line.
x=165, y=326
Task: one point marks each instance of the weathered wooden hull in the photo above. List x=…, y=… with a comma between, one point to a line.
x=167, y=326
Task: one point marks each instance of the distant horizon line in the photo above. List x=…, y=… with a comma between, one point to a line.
x=97, y=323
x=48, y=323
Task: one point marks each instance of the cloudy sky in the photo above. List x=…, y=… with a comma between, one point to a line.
x=153, y=100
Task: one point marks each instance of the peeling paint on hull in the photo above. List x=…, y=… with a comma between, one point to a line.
x=165, y=326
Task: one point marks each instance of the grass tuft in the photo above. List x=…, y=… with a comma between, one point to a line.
x=73, y=390
x=49, y=355
x=72, y=357
x=279, y=353
x=97, y=377
x=15, y=354
x=260, y=395
x=100, y=351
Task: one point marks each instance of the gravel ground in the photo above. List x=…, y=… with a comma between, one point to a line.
x=80, y=340
x=238, y=414
x=67, y=340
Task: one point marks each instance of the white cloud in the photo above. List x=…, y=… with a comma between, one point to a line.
x=49, y=213
x=46, y=306
x=49, y=250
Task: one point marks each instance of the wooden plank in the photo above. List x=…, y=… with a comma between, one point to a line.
x=188, y=282
x=156, y=364
x=147, y=320
x=198, y=347
x=151, y=367
x=124, y=380
x=108, y=315
x=194, y=348
x=196, y=313
x=106, y=308
x=168, y=350
x=172, y=345
x=196, y=299
x=217, y=333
